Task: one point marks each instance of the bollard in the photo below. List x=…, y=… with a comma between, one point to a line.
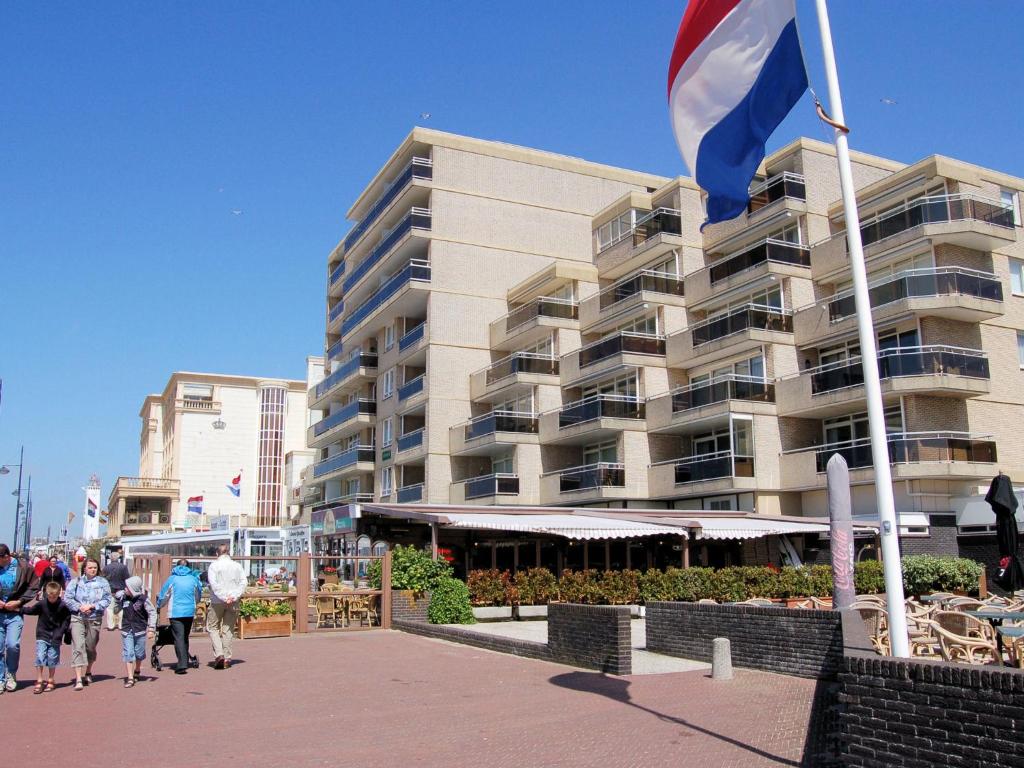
x=721, y=659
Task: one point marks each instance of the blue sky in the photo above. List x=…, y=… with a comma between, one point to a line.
x=130, y=133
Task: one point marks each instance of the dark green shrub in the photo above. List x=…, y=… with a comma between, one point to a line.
x=620, y=587
x=536, y=586
x=580, y=587
x=928, y=573
x=489, y=587
x=449, y=603
x=868, y=578
x=819, y=581
x=692, y=584
x=655, y=585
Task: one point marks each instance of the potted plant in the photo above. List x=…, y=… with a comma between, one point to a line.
x=329, y=574
x=489, y=594
x=258, y=618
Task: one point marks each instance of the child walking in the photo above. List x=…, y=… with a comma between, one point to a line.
x=138, y=622
x=54, y=622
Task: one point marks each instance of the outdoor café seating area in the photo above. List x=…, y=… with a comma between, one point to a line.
x=948, y=627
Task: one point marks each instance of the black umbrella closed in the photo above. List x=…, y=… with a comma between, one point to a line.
x=1003, y=501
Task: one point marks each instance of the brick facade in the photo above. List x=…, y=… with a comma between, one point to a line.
x=405, y=606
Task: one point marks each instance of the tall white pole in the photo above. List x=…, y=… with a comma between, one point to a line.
x=888, y=526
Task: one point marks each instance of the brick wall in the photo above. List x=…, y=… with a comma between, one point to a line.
x=456, y=634
x=942, y=330
x=958, y=256
x=796, y=642
x=984, y=550
x=406, y=607
x=591, y=636
x=940, y=541
x=935, y=414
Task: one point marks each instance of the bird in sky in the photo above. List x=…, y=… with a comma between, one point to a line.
x=237, y=211
x=888, y=101
x=424, y=115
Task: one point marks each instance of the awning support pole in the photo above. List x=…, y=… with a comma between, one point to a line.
x=433, y=540
x=686, y=549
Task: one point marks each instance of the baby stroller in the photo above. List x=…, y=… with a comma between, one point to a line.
x=164, y=636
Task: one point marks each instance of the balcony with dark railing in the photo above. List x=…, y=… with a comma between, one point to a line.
x=912, y=448
x=410, y=440
x=762, y=252
x=334, y=351
x=412, y=337
x=522, y=362
x=601, y=407
x=781, y=186
x=542, y=307
x=359, y=454
x=622, y=342
x=417, y=218
x=409, y=494
x=345, y=371
x=936, y=209
x=343, y=414
x=418, y=168
x=710, y=466
x=501, y=421
x=661, y=221
x=920, y=283
x=500, y=484
x=901, y=362
x=338, y=501
x=646, y=280
x=591, y=476
x=337, y=273
x=414, y=271
x=336, y=311
x=721, y=389
x=411, y=388
x=754, y=317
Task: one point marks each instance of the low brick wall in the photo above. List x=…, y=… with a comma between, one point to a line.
x=591, y=636
x=800, y=642
x=924, y=713
x=406, y=606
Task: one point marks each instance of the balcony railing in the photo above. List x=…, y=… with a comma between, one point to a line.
x=418, y=168
x=646, y=280
x=501, y=421
x=347, y=412
x=336, y=311
x=777, y=187
x=903, y=361
x=748, y=317
x=722, y=388
x=334, y=351
x=542, y=307
x=337, y=273
x=411, y=337
x=410, y=493
x=344, y=371
x=148, y=483
x=347, y=458
x=917, y=283
x=410, y=388
x=414, y=270
x=417, y=218
x=601, y=407
x=410, y=440
x=711, y=466
x=337, y=501
x=522, y=362
x=602, y=475
x=935, y=210
x=912, y=448
x=769, y=249
x=659, y=221
x=492, y=485
x=623, y=341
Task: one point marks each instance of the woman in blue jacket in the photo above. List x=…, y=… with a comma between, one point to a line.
x=184, y=590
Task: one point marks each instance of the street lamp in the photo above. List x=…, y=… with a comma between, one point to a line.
x=5, y=469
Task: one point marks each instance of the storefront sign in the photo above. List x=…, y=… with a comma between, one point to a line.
x=218, y=522
x=328, y=522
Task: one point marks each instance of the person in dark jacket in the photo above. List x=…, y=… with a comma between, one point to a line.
x=138, y=623
x=53, y=572
x=18, y=586
x=116, y=573
x=54, y=622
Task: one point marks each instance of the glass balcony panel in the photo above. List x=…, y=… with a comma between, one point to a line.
x=784, y=185
x=904, y=361
x=343, y=414
x=501, y=421
x=419, y=168
x=657, y=222
x=913, y=448
x=752, y=316
x=410, y=440
x=334, y=351
x=647, y=280
x=418, y=218
x=414, y=270
x=543, y=307
x=635, y=343
x=522, y=362
x=349, y=367
x=410, y=493
x=720, y=389
x=917, y=283
x=411, y=388
x=936, y=209
x=492, y=485
x=337, y=273
x=336, y=311
x=713, y=466
x=345, y=459
x=412, y=337
x=592, y=476
x=601, y=406
x=768, y=250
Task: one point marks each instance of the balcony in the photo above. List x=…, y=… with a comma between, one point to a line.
x=419, y=168
x=412, y=337
x=622, y=348
x=493, y=432
x=765, y=257
x=687, y=409
x=933, y=210
x=590, y=476
x=952, y=292
x=732, y=332
x=410, y=440
x=520, y=370
x=411, y=388
x=357, y=413
x=410, y=494
x=598, y=417
x=489, y=486
x=336, y=274
x=334, y=351
x=197, y=405
x=706, y=473
x=141, y=486
x=533, y=320
x=784, y=185
x=600, y=407
x=354, y=460
x=335, y=312
x=340, y=501
x=360, y=366
x=631, y=292
x=417, y=218
x=415, y=271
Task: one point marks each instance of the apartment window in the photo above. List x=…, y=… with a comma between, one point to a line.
x=616, y=229
x=387, y=480
x=667, y=267
x=389, y=336
x=601, y=453
x=197, y=392
x=386, y=432
x=624, y=386
x=1010, y=198
x=901, y=340
x=388, y=383
x=752, y=366
x=648, y=325
x=1020, y=348
x=502, y=465
x=1017, y=277
x=789, y=234
x=855, y=427
x=351, y=487
x=542, y=347
x=521, y=404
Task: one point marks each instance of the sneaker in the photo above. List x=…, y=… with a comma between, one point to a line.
x=218, y=663
x=10, y=684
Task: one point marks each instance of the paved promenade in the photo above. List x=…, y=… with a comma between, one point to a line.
x=391, y=699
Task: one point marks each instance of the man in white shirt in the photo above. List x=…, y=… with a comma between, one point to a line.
x=227, y=584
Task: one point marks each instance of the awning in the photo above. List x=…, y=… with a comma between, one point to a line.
x=750, y=528
x=568, y=526
x=974, y=510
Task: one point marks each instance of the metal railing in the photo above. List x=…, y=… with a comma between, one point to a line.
x=902, y=361
x=721, y=388
x=601, y=475
x=916, y=283
x=345, y=370
x=417, y=218
x=750, y=316
x=149, y=483
x=645, y=280
x=412, y=337
x=418, y=168
x=601, y=407
x=501, y=421
x=336, y=310
x=334, y=351
x=935, y=209
x=912, y=448
x=414, y=270
x=659, y=221
x=347, y=458
x=623, y=341
x=410, y=440
x=545, y=306
x=777, y=187
x=337, y=273
x=710, y=466
x=337, y=501
x=522, y=362
x=410, y=493
x=769, y=249
x=347, y=412
x=500, y=484
x=410, y=388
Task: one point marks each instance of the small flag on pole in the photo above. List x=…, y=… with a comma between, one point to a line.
x=91, y=509
x=236, y=485
x=195, y=505
x=736, y=71
x=71, y=516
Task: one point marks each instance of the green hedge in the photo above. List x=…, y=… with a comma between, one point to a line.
x=411, y=568
x=537, y=586
x=449, y=603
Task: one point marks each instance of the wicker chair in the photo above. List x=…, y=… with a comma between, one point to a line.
x=327, y=610
x=965, y=604
x=964, y=638
x=876, y=622
x=923, y=639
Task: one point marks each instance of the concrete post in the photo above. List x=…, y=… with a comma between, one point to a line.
x=721, y=659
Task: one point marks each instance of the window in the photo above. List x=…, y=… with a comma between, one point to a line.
x=389, y=336
x=855, y=427
x=521, y=404
x=752, y=367
x=388, y=383
x=387, y=478
x=386, y=432
x=648, y=325
x=1020, y=348
x=1010, y=199
x=901, y=340
x=601, y=453
x=502, y=465
x=611, y=232
x=351, y=487
x=789, y=234
x=197, y=392
x=624, y=386
x=1017, y=277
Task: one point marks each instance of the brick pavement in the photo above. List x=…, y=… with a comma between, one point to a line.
x=391, y=699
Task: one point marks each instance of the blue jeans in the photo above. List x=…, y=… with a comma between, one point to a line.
x=133, y=647
x=11, y=625
x=47, y=655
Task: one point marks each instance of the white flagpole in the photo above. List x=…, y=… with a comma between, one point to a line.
x=889, y=527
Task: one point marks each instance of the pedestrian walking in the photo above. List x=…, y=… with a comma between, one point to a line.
x=64, y=569
x=227, y=584
x=18, y=586
x=53, y=624
x=138, y=624
x=183, y=589
x=40, y=562
x=116, y=573
x=53, y=572
x=87, y=597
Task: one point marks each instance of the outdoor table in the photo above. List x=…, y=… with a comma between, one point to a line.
x=936, y=598
x=996, y=618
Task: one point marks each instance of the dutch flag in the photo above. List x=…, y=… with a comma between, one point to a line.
x=195, y=505
x=236, y=485
x=91, y=508
x=736, y=71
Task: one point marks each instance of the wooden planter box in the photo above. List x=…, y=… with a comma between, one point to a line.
x=266, y=626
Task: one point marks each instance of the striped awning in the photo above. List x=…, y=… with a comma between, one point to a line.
x=750, y=527
x=568, y=526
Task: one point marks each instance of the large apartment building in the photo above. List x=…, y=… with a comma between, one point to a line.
x=509, y=326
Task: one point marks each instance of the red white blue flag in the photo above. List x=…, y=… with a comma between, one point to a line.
x=736, y=72
x=236, y=485
x=91, y=508
x=195, y=505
